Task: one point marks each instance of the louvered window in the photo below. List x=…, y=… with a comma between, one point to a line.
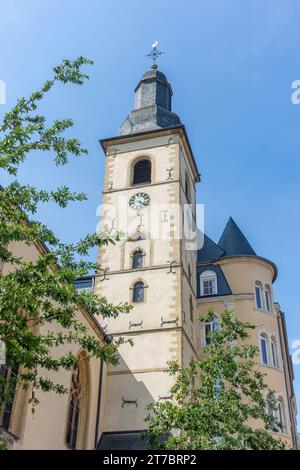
x=142, y=172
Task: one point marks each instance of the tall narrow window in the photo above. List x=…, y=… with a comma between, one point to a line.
x=187, y=189
x=272, y=415
x=258, y=294
x=268, y=298
x=281, y=415
x=189, y=273
x=137, y=259
x=191, y=309
x=74, y=408
x=142, y=172
x=138, y=292
x=208, y=283
x=9, y=375
x=210, y=326
x=274, y=355
x=263, y=343
x=79, y=400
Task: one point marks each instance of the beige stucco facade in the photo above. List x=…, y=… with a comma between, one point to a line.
x=241, y=274
x=46, y=427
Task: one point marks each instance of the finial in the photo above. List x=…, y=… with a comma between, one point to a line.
x=154, y=54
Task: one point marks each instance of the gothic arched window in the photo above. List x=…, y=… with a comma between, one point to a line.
x=137, y=259
x=78, y=404
x=142, y=172
x=138, y=292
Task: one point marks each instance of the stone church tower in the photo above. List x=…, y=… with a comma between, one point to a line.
x=149, y=194
x=150, y=175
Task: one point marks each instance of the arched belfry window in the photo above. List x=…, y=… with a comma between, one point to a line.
x=138, y=292
x=142, y=172
x=78, y=405
x=137, y=259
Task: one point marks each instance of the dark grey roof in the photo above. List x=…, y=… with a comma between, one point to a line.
x=128, y=440
x=234, y=242
x=210, y=251
x=153, y=105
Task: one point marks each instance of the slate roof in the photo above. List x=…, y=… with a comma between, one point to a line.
x=153, y=105
x=210, y=251
x=130, y=440
x=234, y=242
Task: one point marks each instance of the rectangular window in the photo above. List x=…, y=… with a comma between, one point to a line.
x=209, y=287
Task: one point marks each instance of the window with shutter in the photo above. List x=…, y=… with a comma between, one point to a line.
x=142, y=172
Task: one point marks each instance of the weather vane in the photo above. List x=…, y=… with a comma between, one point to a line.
x=154, y=54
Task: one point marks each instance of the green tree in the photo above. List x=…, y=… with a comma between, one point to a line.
x=216, y=398
x=41, y=293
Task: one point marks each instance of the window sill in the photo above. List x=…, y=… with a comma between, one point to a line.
x=261, y=310
x=269, y=366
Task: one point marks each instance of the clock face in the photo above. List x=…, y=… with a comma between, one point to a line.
x=139, y=200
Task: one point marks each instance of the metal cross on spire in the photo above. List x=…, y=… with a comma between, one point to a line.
x=154, y=54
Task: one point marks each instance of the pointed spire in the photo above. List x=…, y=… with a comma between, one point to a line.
x=234, y=242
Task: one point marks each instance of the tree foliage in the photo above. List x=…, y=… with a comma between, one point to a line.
x=38, y=302
x=218, y=398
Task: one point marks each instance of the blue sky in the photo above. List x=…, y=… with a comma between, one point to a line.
x=231, y=64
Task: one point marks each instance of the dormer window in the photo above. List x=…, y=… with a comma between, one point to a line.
x=142, y=172
x=208, y=283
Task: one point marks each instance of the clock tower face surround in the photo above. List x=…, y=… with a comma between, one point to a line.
x=139, y=200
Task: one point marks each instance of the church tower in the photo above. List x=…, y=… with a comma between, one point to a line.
x=149, y=194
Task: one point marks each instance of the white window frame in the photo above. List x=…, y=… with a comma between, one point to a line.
x=268, y=298
x=274, y=352
x=264, y=336
x=208, y=275
x=258, y=285
x=281, y=416
x=213, y=324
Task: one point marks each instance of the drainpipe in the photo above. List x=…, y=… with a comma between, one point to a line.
x=287, y=374
x=99, y=404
